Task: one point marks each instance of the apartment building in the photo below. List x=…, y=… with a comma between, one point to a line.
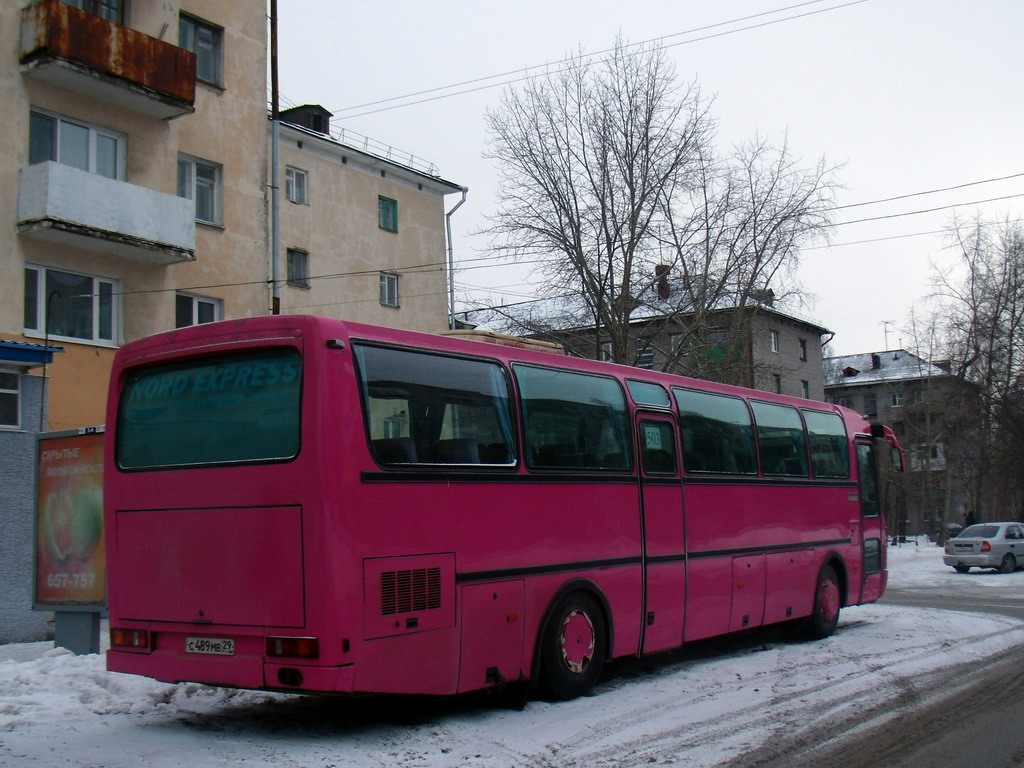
x=132, y=177
x=362, y=235
x=755, y=346
x=920, y=400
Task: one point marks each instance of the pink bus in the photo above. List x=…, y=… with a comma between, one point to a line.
x=304, y=504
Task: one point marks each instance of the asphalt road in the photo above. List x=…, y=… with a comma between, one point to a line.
x=962, y=716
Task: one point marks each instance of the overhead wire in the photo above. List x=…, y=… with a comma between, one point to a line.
x=545, y=66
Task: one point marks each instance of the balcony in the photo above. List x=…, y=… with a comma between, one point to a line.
x=82, y=52
x=65, y=205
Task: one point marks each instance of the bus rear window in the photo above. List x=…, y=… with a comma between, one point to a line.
x=232, y=409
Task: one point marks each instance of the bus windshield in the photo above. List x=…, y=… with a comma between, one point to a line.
x=227, y=409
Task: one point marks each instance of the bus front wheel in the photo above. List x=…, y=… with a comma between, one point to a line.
x=573, y=649
x=827, y=601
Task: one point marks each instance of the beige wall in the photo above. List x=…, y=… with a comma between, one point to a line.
x=347, y=250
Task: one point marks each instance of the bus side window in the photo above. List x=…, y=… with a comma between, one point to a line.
x=429, y=409
x=573, y=420
x=718, y=435
x=781, y=440
x=830, y=454
x=659, y=446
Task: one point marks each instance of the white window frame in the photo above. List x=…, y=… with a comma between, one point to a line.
x=296, y=185
x=803, y=350
x=389, y=293
x=805, y=389
x=294, y=275
x=191, y=182
x=896, y=400
x=6, y=391
x=206, y=41
x=197, y=301
x=104, y=291
x=773, y=340
x=58, y=143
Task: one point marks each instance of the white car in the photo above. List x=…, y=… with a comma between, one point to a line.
x=986, y=545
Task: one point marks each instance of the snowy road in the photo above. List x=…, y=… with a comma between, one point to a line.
x=712, y=704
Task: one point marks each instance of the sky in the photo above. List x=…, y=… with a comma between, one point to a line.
x=699, y=710
x=907, y=96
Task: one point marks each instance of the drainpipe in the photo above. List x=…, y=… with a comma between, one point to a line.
x=451, y=260
x=275, y=171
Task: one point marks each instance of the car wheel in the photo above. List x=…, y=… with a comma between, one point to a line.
x=961, y=568
x=1008, y=564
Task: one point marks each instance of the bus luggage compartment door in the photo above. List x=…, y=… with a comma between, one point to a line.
x=492, y=634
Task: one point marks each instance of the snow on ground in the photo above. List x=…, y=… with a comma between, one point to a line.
x=699, y=707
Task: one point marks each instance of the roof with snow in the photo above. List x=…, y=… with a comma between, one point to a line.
x=877, y=367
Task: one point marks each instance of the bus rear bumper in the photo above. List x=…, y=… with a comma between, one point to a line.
x=249, y=672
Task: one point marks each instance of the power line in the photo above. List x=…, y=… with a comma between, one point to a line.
x=530, y=68
x=530, y=77
x=928, y=192
x=926, y=210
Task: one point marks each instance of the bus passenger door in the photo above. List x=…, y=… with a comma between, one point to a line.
x=664, y=563
x=872, y=523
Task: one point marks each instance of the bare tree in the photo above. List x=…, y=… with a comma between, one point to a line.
x=982, y=306
x=610, y=183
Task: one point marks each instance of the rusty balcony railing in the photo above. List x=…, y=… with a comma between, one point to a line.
x=80, y=51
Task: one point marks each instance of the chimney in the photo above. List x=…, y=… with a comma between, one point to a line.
x=876, y=362
x=311, y=116
x=661, y=273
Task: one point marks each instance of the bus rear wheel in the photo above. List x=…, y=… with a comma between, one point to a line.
x=574, y=647
x=827, y=602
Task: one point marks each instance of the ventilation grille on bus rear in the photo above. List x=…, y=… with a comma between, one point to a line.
x=407, y=591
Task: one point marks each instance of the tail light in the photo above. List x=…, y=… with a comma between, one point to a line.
x=986, y=547
x=137, y=639
x=294, y=647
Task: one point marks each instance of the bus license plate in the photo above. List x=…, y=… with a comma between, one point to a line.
x=215, y=645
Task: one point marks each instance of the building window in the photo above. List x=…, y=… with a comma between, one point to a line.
x=69, y=305
x=606, y=352
x=298, y=269
x=387, y=214
x=10, y=408
x=897, y=400
x=111, y=10
x=389, y=289
x=645, y=355
x=774, y=340
x=805, y=389
x=71, y=142
x=777, y=383
x=871, y=406
x=204, y=40
x=191, y=309
x=803, y=350
x=200, y=181
x=295, y=185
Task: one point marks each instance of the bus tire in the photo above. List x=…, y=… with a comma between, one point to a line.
x=828, y=598
x=574, y=647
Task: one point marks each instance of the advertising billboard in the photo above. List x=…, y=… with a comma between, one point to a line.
x=70, y=555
